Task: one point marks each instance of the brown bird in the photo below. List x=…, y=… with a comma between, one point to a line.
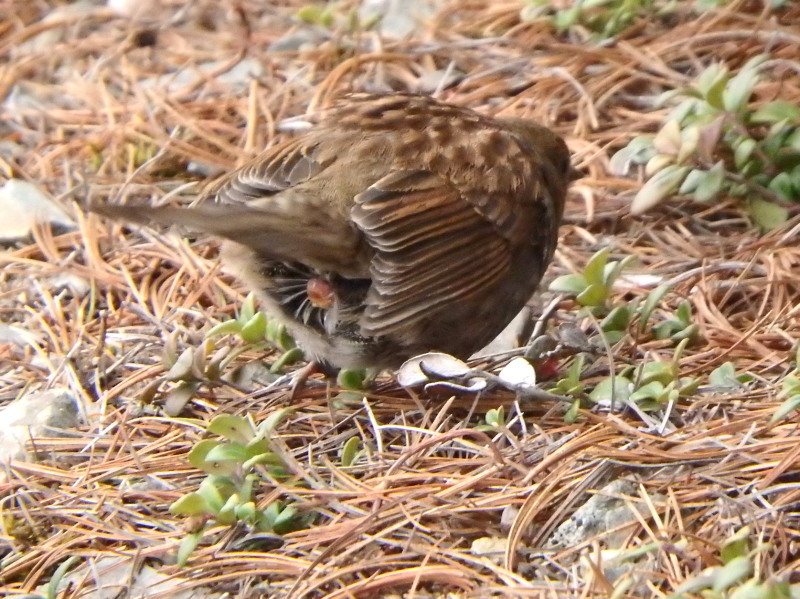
x=397, y=225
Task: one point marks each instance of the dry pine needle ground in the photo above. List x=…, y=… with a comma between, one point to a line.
x=93, y=111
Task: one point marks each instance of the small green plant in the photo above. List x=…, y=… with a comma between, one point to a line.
x=714, y=143
x=592, y=287
x=725, y=377
x=205, y=364
x=600, y=18
x=650, y=385
x=680, y=326
x=336, y=15
x=494, y=420
x=257, y=330
x=235, y=464
x=734, y=578
x=790, y=391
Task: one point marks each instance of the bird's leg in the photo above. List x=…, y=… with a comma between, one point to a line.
x=300, y=377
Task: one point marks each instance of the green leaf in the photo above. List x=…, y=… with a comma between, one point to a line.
x=496, y=417
x=268, y=457
x=755, y=62
x=198, y=457
x=188, y=545
x=572, y=284
x=216, y=363
x=593, y=295
x=177, y=397
x=287, y=358
x=776, y=111
x=684, y=110
x=257, y=446
x=191, y=504
x=739, y=89
x=211, y=494
x=736, y=545
x=650, y=303
x=575, y=369
x=658, y=163
x=285, y=521
x=271, y=512
x=616, y=388
x=614, y=337
x=724, y=376
x=572, y=413
x=351, y=379
x=350, y=451
x=233, y=428
x=617, y=320
x=248, y=308
x=246, y=512
x=766, y=214
x=668, y=139
x=793, y=140
x=564, y=19
x=690, y=138
x=283, y=339
x=713, y=77
x=594, y=269
x=695, y=177
x=638, y=151
x=612, y=270
x=55, y=581
x=663, y=372
x=227, y=514
x=224, y=328
x=688, y=385
x=226, y=452
x=753, y=589
x=661, y=185
x=777, y=139
x=787, y=407
x=743, y=151
x=687, y=333
x=711, y=82
x=255, y=329
x=182, y=368
x=710, y=185
x=274, y=420
x=653, y=390
x=735, y=570
x=781, y=184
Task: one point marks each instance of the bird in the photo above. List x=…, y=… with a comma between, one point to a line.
x=397, y=225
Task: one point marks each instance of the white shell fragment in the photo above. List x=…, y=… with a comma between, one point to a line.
x=23, y=206
x=421, y=369
x=519, y=374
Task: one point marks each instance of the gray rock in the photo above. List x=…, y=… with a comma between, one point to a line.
x=398, y=18
x=53, y=413
x=17, y=336
x=23, y=206
x=603, y=511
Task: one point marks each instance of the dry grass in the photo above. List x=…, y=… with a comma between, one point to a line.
x=115, y=120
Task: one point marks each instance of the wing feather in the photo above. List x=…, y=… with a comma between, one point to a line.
x=431, y=248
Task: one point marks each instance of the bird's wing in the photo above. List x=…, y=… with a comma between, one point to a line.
x=267, y=207
x=278, y=168
x=432, y=248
